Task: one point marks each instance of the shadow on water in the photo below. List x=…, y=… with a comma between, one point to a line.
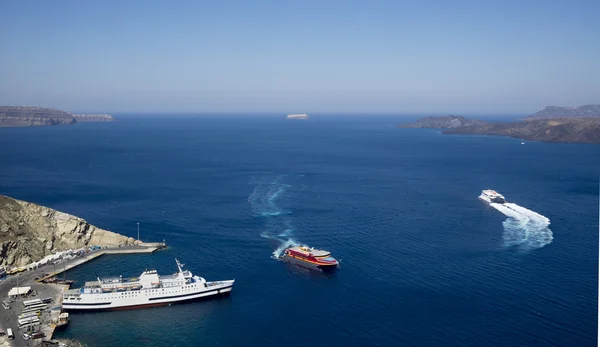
x=314, y=276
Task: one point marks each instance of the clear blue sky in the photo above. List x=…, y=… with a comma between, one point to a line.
x=468, y=57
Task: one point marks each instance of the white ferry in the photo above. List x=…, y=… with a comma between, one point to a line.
x=150, y=289
x=492, y=196
x=297, y=116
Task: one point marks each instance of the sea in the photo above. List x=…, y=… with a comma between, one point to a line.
x=423, y=262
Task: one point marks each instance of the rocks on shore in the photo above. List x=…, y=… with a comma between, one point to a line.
x=69, y=343
x=28, y=232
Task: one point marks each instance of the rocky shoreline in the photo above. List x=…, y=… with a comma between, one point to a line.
x=69, y=343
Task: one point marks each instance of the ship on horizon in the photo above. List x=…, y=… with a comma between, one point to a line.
x=297, y=116
x=149, y=289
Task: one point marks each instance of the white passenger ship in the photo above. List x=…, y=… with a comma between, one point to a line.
x=150, y=289
x=297, y=116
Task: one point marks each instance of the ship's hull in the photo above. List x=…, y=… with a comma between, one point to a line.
x=309, y=265
x=146, y=298
x=484, y=198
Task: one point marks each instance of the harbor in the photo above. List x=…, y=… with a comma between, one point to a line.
x=32, y=299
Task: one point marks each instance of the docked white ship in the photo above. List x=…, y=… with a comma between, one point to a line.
x=492, y=196
x=150, y=289
x=297, y=116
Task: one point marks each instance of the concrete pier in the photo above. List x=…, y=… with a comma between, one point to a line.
x=69, y=264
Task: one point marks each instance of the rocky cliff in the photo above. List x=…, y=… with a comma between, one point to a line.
x=28, y=232
x=441, y=122
x=585, y=111
x=80, y=117
x=18, y=116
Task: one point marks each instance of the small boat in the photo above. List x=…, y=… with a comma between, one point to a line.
x=63, y=281
x=311, y=258
x=63, y=319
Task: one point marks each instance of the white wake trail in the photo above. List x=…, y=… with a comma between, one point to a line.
x=524, y=228
x=265, y=203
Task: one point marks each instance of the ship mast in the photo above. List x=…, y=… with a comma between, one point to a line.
x=179, y=265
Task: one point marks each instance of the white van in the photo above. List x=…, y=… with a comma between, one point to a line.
x=9, y=334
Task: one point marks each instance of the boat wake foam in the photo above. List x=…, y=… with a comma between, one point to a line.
x=265, y=203
x=524, y=228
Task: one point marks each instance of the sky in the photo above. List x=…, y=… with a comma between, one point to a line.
x=326, y=56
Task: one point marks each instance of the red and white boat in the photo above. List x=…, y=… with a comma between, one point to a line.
x=311, y=258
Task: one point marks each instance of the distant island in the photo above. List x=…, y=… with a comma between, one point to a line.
x=99, y=117
x=297, y=116
x=25, y=116
x=567, y=112
x=552, y=124
x=441, y=122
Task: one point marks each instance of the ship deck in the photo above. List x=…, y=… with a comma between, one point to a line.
x=315, y=252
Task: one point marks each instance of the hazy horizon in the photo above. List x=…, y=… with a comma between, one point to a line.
x=462, y=58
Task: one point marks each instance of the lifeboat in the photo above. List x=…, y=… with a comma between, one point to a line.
x=311, y=258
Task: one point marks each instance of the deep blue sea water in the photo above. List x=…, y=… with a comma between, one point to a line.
x=424, y=262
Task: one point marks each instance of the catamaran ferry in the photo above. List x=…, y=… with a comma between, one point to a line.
x=492, y=196
x=150, y=289
x=311, y=258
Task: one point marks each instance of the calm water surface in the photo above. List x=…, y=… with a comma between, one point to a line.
x=424, y=263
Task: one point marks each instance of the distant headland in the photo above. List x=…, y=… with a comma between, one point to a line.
x=25, y=116
x=442, y=122
x=552, y=124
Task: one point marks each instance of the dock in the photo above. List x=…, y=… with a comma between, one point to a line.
x=69, y=264
x=33, y=279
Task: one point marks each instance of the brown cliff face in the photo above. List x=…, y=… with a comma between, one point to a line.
x=28, y=232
